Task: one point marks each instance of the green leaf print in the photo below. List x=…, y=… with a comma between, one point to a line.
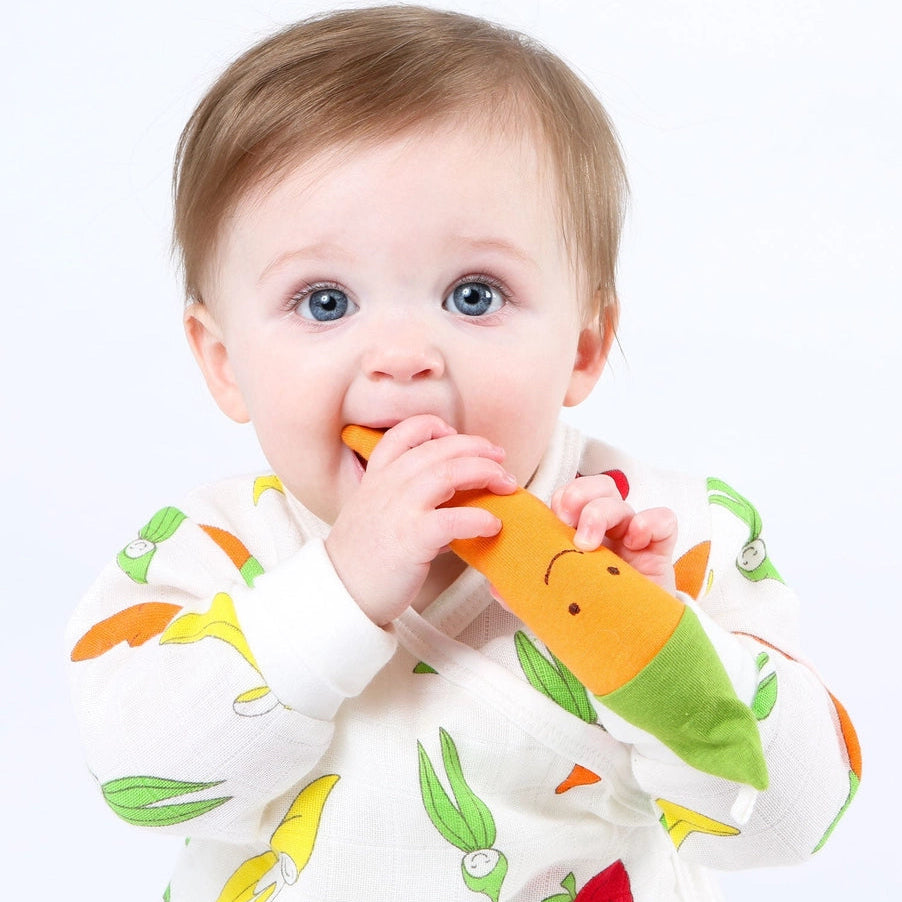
x=752, y=561
x=569, y=884
x=469, y=825
x=136, y=557
x=162, y=525
x=854, y=783
x=441, y=810
x=135, y=800
x=554, y=680
x=765, y=697
x=474, y=811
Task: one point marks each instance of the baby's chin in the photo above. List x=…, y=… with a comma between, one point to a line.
x=324, y=508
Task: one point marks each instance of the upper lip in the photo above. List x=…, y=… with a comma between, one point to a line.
x=385, y=423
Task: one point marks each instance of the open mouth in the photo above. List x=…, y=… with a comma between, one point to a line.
x=361, y=440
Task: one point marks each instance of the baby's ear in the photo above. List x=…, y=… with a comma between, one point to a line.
x=591, y=355
x=212, y=356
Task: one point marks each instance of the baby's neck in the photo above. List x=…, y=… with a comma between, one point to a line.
x=442, y=572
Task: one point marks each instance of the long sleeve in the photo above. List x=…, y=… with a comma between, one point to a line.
x=810, y=747
x=208, y=661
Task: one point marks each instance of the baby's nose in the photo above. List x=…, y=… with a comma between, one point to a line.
x=404, y=354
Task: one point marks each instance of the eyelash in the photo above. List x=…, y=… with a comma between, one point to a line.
x=491, y=281
x=308, y=288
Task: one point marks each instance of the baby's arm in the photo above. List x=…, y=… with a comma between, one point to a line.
x=810, y=746
x=814, y=768
x=200, y=701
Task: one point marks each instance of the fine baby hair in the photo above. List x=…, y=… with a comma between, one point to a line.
x=358, y=76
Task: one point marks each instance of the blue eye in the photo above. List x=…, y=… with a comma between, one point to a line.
x=474, y=299
x=325, y=305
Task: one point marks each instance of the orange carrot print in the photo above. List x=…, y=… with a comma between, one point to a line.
x=579, y=776
x=690, y=569
x=247, y=564
x=134, y=625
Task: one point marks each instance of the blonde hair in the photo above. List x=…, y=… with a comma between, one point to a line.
x=365, y=74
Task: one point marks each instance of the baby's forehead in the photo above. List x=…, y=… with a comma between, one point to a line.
x=484, y=126
x=485, y=166
x=407, y=156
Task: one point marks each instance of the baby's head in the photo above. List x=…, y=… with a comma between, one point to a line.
x=361, y=76
x=390, y=212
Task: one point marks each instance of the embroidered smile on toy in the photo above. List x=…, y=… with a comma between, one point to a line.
x=637, y=648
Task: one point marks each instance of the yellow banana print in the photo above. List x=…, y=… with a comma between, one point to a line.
x=243, y=885
x=296, y=834
x=262, y=483
x=219, y=622
x=291, y=845
x=680, y=822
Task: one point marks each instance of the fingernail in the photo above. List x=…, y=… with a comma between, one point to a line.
x=567, y=518
x=584, y=544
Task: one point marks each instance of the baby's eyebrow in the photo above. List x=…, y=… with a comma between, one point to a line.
x=318, y=251
x=321, y=250
x=499, y=245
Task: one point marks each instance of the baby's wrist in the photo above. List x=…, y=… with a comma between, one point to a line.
x=362, y=585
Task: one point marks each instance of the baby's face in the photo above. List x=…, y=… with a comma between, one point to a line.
x=425, y=274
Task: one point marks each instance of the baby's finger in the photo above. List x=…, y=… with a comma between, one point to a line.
x=568, y=501
x=409, y=434
x=599, y=518
x=427, y=484
x=465, y=473
x=654, y=530
x=449, y=523
x=434, y=455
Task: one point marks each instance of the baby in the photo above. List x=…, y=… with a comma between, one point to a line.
x=408, y=220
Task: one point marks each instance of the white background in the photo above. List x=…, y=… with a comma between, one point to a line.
x=760, y=288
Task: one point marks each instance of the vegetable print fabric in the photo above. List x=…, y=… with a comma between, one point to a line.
x=229, y=691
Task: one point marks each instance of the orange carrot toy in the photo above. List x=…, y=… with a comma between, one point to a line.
x=640, y=650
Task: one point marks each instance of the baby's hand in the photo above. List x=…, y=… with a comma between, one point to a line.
x=645, y=540
x=392, y=528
